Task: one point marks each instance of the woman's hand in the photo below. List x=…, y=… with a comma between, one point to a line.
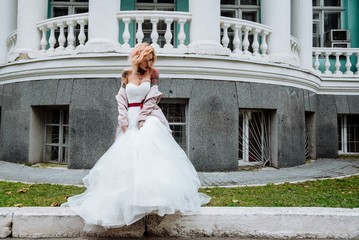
x=140, y=124
x=124, y=128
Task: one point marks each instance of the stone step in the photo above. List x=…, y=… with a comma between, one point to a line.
x=257, y=222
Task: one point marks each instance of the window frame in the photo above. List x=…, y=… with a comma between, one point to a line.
x=186, y=118
x=343, y=134
x=322, y=10
x=62, y=123
x=239, y=9
x=71, y=5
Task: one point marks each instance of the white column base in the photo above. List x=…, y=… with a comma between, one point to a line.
x=101, y=45
x=284, y=58
x=208, y=48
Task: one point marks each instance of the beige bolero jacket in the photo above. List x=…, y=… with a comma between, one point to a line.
x=150, y=107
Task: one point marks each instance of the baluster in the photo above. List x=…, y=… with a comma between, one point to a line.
x=316, y=62
x=43, y=42
x=255, y=44
x=52, y=39
x=357, y=65
x=126, y=33
x=181, y=34
x=225, y=38
x=264, y=45
x=327, y=63
x=61, y=39
x=246, y=41
x=337, y=63
x=82, y=35
x=168, y=34
x=70, y=35
x=154, y=33
x=139, y=33
x=236, y=40
x=348, y=64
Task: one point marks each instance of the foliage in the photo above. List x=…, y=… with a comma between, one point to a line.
x=342, y=193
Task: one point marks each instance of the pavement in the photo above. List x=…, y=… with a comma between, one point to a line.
x=211, y=222
x=247, y=175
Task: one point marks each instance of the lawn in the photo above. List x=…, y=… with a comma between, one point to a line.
x=342, y=193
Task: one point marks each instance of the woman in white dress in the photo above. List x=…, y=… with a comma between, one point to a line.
x=145, y=170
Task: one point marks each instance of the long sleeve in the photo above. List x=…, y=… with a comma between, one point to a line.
x=122, y=105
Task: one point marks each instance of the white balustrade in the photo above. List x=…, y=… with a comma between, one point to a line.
x=247, y=39
x=164, y=39
x=63, y=34
x=336, y=61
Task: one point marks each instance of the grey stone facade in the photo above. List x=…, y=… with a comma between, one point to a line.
x=213, y=110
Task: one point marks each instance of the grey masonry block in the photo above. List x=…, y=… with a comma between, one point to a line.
x=135, y=230
x=46, y=222
x=279, y=223
x=6, y=215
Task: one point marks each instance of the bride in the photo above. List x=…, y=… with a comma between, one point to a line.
x=144, y=170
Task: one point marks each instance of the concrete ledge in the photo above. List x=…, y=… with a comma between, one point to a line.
x=281, y=223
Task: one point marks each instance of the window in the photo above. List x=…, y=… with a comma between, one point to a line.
x=348, y=134
x=326, y=16
x=242, y=9
x=63, y=8
x=254, y=136
x=176, y=114
x=156, y=5
x=56, y=134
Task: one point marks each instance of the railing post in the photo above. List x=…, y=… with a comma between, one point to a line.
x=168, y=34
x=236, y=40
x=154, y=33
x=139, y=33
x=70, y=35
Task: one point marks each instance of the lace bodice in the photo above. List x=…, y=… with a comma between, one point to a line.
x=136, y=93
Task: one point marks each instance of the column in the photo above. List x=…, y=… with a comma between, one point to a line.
x=205, y=28
x=8, y=9
x=29, y=13
x=302, y=29
x=276, y=14
x=103, y=27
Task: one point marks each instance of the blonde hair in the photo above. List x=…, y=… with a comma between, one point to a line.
x=140, y=51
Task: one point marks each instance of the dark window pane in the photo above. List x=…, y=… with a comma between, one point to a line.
x=228, y=13
x=52, y=134
x=60, y=11
x=316, y=3
x=51, y=153
x=331, y=21
x=144, y=1
x=81, y=0
x=165, y=1
x=249, y=2
x=228, y=2
x=61, y=0
x=79, y=10
x=250, y=16
x=332, y=3
x=53, y=116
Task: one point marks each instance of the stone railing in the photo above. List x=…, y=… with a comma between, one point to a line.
x=244, y=38
x=63, y=34
x=173, y=38
x=336, y=61
x=11, y=43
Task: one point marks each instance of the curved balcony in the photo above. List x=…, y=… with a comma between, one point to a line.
x=63, y=43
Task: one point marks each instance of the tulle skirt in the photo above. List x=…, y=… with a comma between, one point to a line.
x=144, y=171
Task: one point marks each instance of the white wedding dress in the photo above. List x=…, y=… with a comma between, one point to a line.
x=144, y=171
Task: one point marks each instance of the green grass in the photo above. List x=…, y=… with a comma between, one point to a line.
x=342, y=193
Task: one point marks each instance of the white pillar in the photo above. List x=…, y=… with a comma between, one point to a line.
x=205, y=28
x=8, y=9
x=302, y=29
x=29, y=13
x=276, y=14
x=103, y=27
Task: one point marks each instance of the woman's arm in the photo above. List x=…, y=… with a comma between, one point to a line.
x=122, y=102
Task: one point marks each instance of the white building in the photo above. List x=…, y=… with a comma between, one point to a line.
x=242, y=79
